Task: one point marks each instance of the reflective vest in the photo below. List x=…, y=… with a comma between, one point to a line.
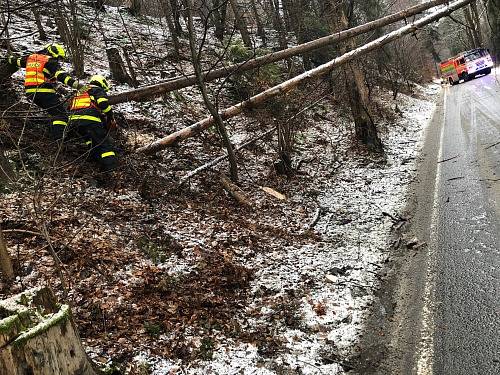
x=34, y=70
x=82, y=101
x=83, y=104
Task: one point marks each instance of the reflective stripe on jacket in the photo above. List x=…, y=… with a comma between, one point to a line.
x=83, y=107
x=82, y=101
x=35, y=69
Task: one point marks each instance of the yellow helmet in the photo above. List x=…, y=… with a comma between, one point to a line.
x=56, y=50
x=99, y=80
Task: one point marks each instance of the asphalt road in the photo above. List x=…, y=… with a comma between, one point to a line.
x=465, y=233
x=443, y=313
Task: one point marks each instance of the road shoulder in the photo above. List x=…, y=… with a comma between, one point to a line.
x=395, y=328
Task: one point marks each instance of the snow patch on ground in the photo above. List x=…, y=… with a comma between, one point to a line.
x=341, y=269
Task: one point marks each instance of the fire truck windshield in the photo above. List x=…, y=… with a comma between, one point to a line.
x=473, y=56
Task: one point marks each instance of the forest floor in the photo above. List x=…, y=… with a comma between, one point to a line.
x=173, y=279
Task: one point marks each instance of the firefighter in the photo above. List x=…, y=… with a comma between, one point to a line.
x=92, y=117
x=42, y=71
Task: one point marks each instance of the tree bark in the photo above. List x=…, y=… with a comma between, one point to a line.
x=474, y=28
x=291, y=84
x=70, y=33
x=38, y=336
x=132, y=75
x=5, y=262
x=179, y=83
x=241, y=24
x=477, y=21
x=176, y=13
x=213, y=111
x=220, y=12
x=117, y=67
x=472, y=32
x=279, y=24
x=261, y=32
x=493, y=11
x=336, y=13
x=167, y=9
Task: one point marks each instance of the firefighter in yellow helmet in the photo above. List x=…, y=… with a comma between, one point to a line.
x=92, y=117
x=42, y=73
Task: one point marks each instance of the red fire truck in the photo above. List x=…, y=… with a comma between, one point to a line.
x=466, y=66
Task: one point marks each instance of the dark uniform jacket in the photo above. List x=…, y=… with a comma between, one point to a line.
x=51, y=70
x=91, y=104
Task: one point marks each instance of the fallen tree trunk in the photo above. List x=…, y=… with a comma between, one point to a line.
x=294, y=82
x=179, y=83
x=38, y=336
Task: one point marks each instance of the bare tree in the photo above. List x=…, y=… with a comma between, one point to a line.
x=196, y=58
x=241, y=23
x=261, y=32
x=71, y=33
x=41, y=32
x=167, y=10
x=337, y=15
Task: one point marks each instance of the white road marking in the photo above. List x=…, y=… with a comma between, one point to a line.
x=425, y=351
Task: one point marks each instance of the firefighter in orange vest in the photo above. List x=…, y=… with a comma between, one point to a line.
x=42, y=71
x=92, y=117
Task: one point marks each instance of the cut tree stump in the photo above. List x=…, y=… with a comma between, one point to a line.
x=38, y=337
x=117, y=67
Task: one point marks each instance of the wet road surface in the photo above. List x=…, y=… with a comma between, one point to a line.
x=439, y=312
x=464, y=236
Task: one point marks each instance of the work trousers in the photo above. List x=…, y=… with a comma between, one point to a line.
x=52, y=103
x=95, y=136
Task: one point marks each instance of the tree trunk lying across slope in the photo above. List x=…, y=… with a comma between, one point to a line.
x=294, y=82
x=178, y=83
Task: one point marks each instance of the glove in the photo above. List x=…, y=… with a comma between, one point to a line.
x=78, y=86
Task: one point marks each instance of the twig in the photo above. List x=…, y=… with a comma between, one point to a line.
x=493, y=145
x=448, y=159
x=24, y=231
x=221, y=158
x=310, y=364
x=5, y=262
x=316, y=217
x=57, y=261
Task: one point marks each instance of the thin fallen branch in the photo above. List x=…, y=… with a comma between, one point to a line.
x=448, y=159
x=235, y=191
x=291, y=84
x=24, y=232
x=316, y=217
x=216, y=161
x=177, y=83
x=493, y=145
